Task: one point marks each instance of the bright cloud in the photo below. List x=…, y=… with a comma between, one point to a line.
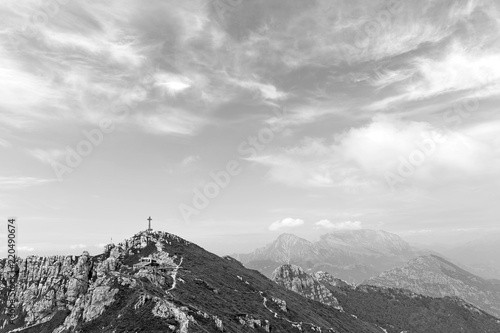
x=458, y=70
x=286, y=223
x=78, y=246
x=347, y=225
x=173, y=84
x=362, y=157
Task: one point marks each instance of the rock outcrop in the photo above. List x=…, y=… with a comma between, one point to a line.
x=296, y=279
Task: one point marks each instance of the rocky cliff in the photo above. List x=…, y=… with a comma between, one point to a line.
x=294, y=278
x=191, y=290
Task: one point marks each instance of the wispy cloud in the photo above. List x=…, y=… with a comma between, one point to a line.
x=22, y=182
x=4, y=143
x=188, y=160
x=47, y=156
x=171, y=121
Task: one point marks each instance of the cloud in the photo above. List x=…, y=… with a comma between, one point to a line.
x=4, y=143
x=362, y=157
x=465, y=65
x=89, y=56
x=286, y=223
x=171, y=121
x=347, y=225
x=78, y=246
x=171, y=83
x=22, y=182
x=460, y=69
x=188, y=160
x=267, y=91
x=305, y=114
x=25, y=248
x=47, y=156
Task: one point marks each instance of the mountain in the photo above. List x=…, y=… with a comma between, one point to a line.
x=352, y=255
x=479, y=256
x=295, y=279
x=367, y=242
x=434, y=276
x=158, y=282
x=394, y=310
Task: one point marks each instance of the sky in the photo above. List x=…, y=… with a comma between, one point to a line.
x=230, y=122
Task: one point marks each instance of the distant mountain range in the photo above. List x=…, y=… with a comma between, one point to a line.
x=436, y=277
x=179, y=288
x=352, y=255
x=393, y=310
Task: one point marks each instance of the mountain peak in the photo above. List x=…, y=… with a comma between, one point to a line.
x=376, y=241
x=352, y=255
x=176, y=287
x=290, y=237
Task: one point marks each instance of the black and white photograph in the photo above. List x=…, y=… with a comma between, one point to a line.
x=238, y=166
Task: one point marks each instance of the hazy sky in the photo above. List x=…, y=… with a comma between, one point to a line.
x=313, y=116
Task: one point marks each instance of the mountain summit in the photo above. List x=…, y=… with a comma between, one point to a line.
x=352, y=255
x=158, y=282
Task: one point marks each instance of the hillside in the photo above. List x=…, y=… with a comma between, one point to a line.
x=197, y=292
x=395, y=310
x=434, y=276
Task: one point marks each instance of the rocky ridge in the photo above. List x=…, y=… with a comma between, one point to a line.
x=294, y=278
x=436, y=277
x=195, y=291
x=393, y=310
